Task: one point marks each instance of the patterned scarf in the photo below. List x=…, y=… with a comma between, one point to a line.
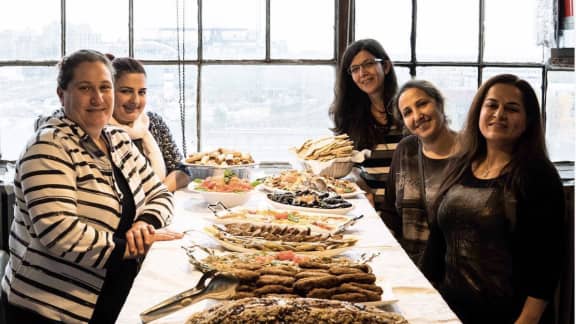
x=140, y=130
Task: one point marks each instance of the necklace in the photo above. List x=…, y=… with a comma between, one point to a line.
x=489, y=168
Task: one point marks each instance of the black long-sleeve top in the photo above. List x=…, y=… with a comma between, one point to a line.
x=489, y=250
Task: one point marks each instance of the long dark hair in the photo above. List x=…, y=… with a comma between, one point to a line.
x=350, y=110
x=529, y=147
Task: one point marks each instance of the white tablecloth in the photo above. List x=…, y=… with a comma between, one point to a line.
x=166, y=270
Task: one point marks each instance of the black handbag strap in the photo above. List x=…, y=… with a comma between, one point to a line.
x=422, y=179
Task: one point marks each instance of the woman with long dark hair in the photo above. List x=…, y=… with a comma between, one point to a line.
x=495, y=228
x=362, y=108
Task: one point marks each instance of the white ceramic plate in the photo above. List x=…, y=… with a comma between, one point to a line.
x=239, y=248
x=388, y=296
x=339, y=211
x=347, y=195
x=318, y=222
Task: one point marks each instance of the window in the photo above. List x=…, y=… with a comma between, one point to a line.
x=259, y=75
x=460, y=44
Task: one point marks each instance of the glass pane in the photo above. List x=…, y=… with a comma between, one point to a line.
x=27, y=34
x=533, y=76
x=265, y=110
x=155, y=29
x=510, y=31
x=19, y=106
x=102, y=27
x=315, y=21
x=402, y=75
x=560, y=119
x=163, y=98
x=447, y=30
x=234, y=29
x=458, y=85
x=389, y=22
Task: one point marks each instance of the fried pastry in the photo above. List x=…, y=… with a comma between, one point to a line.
x=296, y=310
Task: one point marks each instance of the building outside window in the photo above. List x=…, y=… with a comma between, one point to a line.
x=261, y=79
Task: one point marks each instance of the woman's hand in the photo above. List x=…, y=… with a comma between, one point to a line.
x=141, y=236
x=532, y=311
x=167, y=235
x=370, y=197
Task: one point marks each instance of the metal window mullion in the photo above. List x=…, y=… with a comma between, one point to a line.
x=481, y=42
x=413, y=62
x=63, y=27
x=131, y=28
x=199, y=80
x=267, y=35
x=544, y=97
x=351, y=35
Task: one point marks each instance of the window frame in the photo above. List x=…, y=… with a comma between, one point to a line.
x=344, y=22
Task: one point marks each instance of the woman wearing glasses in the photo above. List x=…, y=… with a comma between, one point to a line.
x=362, y=108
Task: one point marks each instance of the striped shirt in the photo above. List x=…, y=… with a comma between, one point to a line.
x=68, y=208
x=375, y=169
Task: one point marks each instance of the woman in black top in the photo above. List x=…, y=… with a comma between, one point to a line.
x=362, y=108
x=417, y=164
x=495, y=233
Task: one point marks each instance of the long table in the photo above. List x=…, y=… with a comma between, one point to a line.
x=166, y=270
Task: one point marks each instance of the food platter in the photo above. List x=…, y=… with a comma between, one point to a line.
x=339, y=211
x=357, y=191
x=198, y=171
x=293, y=180
x=294, y=310
x=239, y=248
x=317, y=222
x=240, y=237
x=229, y=199
x=250, y=266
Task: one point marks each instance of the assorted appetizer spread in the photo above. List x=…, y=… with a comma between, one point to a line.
x=228, y=182
x=310, y=199
x=246, y=236
x=220, y=158
x=326, y=148
x=317, y=222
x=294, y=180
x=297, y=310
x=286, y=274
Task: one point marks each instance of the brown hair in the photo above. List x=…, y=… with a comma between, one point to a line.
x=425, y=86
x=68, y=65
x=350, y=110
x=124, y=65
x=530, y=146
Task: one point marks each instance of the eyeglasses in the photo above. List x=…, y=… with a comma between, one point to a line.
x=368, y=64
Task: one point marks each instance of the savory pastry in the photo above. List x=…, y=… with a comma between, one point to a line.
x=286, y=273
x=294, y=310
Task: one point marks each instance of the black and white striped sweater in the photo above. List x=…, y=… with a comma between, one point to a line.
x=67, y=210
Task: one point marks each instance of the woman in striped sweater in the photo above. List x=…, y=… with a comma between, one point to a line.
x=362, y=108
x=88, y=206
